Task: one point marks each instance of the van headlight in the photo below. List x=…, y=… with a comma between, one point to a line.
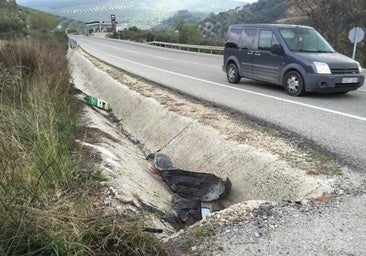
x=322, y=68
x=359, y=67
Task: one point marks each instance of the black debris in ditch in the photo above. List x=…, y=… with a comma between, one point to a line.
x=190, y=188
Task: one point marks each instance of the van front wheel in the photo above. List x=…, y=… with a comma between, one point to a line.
x=294, y=84
x=232, y=74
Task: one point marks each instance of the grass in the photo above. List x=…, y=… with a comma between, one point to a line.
x=48, y=194
x=203, y=231
x=198, y=234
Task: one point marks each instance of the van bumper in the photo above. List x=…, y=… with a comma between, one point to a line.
x=334, y=83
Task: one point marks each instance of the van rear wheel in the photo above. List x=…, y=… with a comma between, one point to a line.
x=232, y=74
x=293, y=83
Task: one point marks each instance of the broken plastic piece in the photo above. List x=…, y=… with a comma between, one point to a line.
x=94, y=101
x=162, y=162
x=205, y=212
x=135, y=141
x=190, y=185
x=190, y=188
x=196, y=185
x=189, y=211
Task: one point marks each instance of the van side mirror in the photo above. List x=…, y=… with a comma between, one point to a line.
x=277, y=49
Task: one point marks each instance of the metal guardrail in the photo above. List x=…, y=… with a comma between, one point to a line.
x=190, y=47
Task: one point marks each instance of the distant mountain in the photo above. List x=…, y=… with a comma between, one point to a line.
x=142, y=13
x=187, y=16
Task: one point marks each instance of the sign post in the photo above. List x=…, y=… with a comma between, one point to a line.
x=356, y=35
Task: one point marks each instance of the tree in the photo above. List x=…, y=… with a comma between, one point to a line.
x=188, y=33
x=334, y=19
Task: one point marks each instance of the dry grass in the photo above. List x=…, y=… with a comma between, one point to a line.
x=46, y=191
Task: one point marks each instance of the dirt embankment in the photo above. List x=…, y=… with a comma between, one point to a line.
x=261, y=164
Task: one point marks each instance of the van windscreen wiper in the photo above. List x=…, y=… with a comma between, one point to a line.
x=311, y=51
x=322, y=51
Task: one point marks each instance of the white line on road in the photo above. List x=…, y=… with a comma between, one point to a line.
x=244, y=90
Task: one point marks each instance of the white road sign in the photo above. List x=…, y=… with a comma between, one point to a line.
x=356, y=35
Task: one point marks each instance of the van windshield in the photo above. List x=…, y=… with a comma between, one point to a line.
x=299, y=39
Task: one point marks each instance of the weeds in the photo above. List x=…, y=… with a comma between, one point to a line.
x=46, y=191
x=198, y=234
x=203, y=231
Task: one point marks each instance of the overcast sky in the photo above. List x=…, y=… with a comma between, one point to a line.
x=247, y=1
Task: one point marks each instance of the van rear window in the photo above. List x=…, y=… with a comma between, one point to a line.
x=233, y=37
x=241, y=37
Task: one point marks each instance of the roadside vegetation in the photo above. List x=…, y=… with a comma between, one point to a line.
x=179, y=32
x=334, y=19
x=49, y=196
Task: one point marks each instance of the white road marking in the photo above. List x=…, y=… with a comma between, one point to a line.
x=244, y=90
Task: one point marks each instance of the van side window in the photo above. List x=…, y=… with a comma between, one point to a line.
x=247, y=38
x=266, y=40
x=233, y=37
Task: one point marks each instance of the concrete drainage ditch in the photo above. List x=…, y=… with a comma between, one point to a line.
x=255, y=174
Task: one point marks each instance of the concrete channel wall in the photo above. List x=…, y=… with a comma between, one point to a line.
x=255, y=173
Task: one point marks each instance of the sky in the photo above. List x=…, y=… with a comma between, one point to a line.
x=247, y=1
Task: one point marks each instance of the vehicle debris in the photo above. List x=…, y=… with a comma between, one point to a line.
x=99, y=103
x=135, y=141
x=190, y=188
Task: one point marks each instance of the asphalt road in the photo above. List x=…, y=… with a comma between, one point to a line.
x=336, y=123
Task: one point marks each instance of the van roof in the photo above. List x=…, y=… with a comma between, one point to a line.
x=263, y=25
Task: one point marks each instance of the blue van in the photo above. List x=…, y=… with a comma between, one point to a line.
x=296, y=57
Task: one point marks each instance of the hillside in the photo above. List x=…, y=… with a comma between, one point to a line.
x=143, y=14
x=187, y=16
x=264, y=11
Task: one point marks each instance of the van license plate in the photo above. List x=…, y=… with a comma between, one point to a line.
x=349, y=80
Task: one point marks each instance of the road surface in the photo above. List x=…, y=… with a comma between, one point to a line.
x=335, y=123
